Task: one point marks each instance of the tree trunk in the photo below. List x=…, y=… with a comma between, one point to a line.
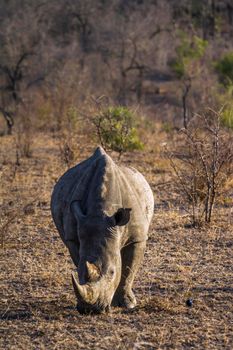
x=9, y=121
x=184, y=103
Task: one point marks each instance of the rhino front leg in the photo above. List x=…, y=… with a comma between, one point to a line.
x=132, y=256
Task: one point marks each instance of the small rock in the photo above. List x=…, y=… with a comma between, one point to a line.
x=189, y=302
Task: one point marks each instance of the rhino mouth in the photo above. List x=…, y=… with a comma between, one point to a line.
x=92, y=309
x=87, y=295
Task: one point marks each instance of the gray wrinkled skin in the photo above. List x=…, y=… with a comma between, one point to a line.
x=102, y=212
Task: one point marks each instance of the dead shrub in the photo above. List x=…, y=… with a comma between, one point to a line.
x=24, y=135
x=66, y=152
x=202, y=163
x=69, y=147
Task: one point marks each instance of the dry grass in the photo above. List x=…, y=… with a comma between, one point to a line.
x=37, y=307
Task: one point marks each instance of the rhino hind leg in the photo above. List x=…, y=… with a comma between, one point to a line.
x=132, y=256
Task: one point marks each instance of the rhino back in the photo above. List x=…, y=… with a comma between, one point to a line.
x=102, y=187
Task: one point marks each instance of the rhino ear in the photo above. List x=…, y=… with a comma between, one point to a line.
x=122, y=216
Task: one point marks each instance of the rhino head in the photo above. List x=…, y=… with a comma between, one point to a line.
x=99, y=268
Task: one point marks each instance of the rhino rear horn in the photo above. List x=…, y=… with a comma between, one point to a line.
x=92, y=271
x=84, y=293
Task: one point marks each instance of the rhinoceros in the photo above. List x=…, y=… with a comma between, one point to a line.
x=102, y=212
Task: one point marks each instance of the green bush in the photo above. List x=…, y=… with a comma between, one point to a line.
x=189, y=51
x=225, y=100
x=116, y=129
x=227, y=116
x=224, y=68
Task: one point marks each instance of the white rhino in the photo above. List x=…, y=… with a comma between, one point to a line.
x=102, y=212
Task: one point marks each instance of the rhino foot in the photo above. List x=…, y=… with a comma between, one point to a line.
x=126, y=300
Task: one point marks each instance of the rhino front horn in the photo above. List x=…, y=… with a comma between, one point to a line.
x=92, y=272
x=84, y=293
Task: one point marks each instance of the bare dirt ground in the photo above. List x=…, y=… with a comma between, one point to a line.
x=37, y=305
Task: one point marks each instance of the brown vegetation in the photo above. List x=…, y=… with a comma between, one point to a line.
x=38, y=303
x=203, y=164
